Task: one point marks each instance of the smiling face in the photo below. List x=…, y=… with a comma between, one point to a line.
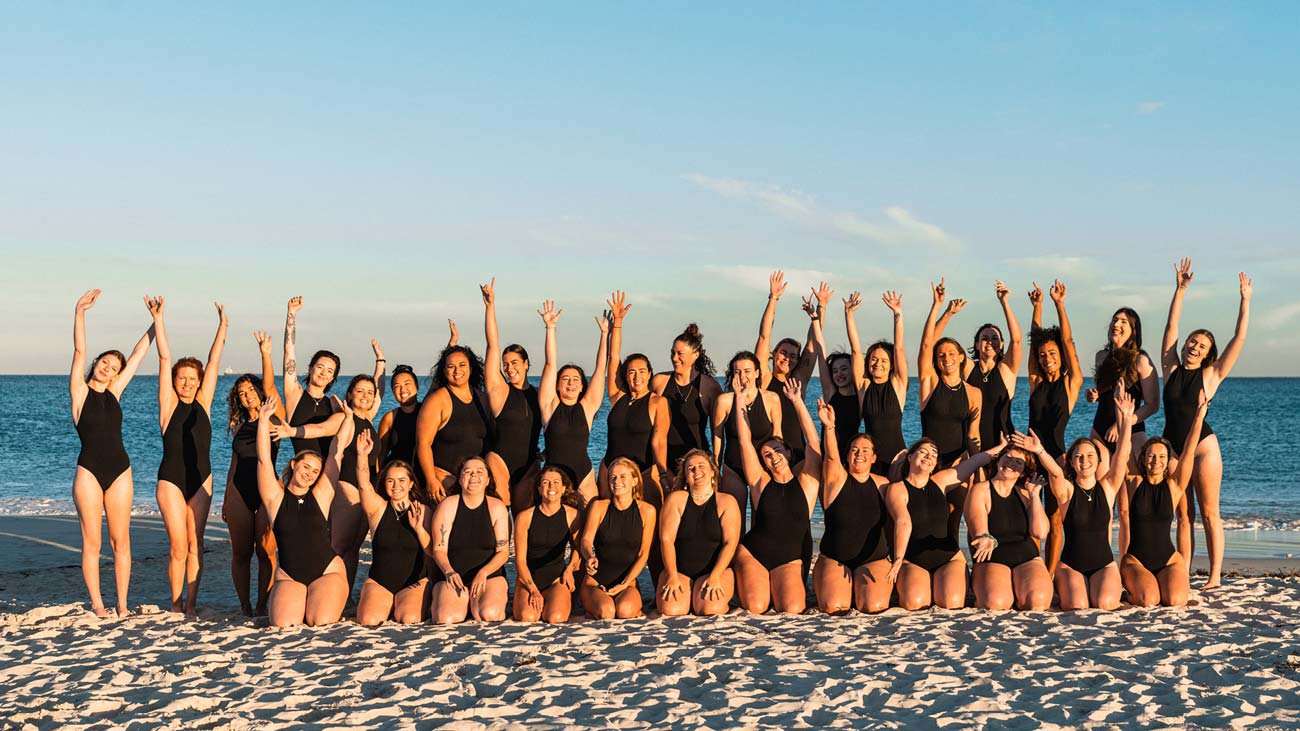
x=550, y=486
x=948, y=359
x=988, y=343
x=774, y=456
x=879, y=365
x=924, y=458
x=249, y=397
x=1155, y=460
x=106, y=368
x=515, y=369
x=842, y=372
x=623, y=479
x=747, y=370
x=1083, y=459
x=637, y=374
x=322, y=372
x=362, y=395
x=1121, y=329
x=784, y=358
x=862, y=454
x=404, y=388
x=1195, y=349
x=568, y=384
x=186, y=382
x=305, y=470
x=1049, y=358
x=683, y=356
x=456, y=369
x=1012, y=464
x=474, y=477
x=398, y=482
x=699, y=472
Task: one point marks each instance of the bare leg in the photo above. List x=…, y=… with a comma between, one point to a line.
x=1072, y=588
x=408, y=605
x=1142, y=588
x=734, y=485
x=89, y=500
x=175, y=515
x=833, y=585
x=1207, y=479
x=1032, y=585
x=992, y=586
x=196, y=522
x=240, y=523
x=1173, y=581
x=871, y=587
x=348, y=528
x=558, y=604
x=914, y=587
x=950, y=583
x=752, y=582
x=1105, y=587
x=117, y=507
x=680, y=604
x=721, y=605
x=595, y=601
x=627, y=604
x=265, y=560
x=490, y=605
x=1185, y=514
x=288, y=601
x=449, y=607
x=789, y=596
x=326, y=597
x=375, y=604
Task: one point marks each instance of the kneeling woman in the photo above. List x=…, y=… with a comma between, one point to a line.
x=853, y=568
x=473, y=530
x=1152, y=570
x=1005, y=516
x=310, y=579
x=928, y=565
x=773, y=559
x=616, y=545
x=698, y=534
x=544, y=532
x=398, y=541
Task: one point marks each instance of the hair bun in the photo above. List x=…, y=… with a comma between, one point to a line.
x=692, y=331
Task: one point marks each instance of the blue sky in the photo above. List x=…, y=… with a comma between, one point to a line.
x=383, y=161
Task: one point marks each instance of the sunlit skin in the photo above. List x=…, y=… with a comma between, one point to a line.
x=397, y=484
x=621, y=481
x=1084, y=461
x=784, y=359
x=304, y=473
x=879, y=365
x=922, y=462
x=515, y=369
x=568, y=385
x=699, y=474
x=474, y=478
x=862, y=454
x=748, y=374
x=1155, y=463
x=776, y=459
x=1195, y=349
x=1121, y=329
x=988, y=343
x=249, y=398
x=1049, y=360
x=638, y=375
x=105, y=370
x=551, y=488
x=949, y=359
x=842, y=375
x=186, y=382
x=683, y=357
x=363, y=396
x=322, y=373
x=404, y=388
x=456, y=369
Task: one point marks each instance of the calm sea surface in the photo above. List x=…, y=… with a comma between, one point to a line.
x=1257, y=420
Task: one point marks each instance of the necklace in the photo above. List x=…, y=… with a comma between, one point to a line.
x=985, y=374
x=1087, y=492
x=960, y=385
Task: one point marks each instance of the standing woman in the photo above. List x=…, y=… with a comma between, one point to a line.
x=102, y=484
x=882, y=383
x=1123, y=364
x=568, y=403
x=787, y=363
x=1200, y=368
x=615, y=545
x=853, y=566
x=514, y=405
x=772, y=562
x=395, y=586
x=310, y=579
x=544, y=532
x=1087, y=575
x=310, y=405
x=994, y=372
x=241, y=509
x=839, y=389
x=397, y=427
x=1005, y=521
x=950, y=407
x=637, y=425
x=691, y=391
x=454, y=424
x=762, y=411
x=471, y=550
x=185, y=392
x=928, y=565
x=699, y=530
x=1152, y=570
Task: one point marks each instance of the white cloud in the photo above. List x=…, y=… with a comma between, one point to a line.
x=1279, y=316
x=899, y=226
x=1150, y=107
x=1066, y=266
x=756, y=277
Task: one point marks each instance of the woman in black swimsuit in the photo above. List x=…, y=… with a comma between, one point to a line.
x=102, y=484
x=569, y=402
x=637, y=424
x=1123, y=364
x=241, y=508
x=310, y=579
x=1154, y=572
x=615, y=545
x=835, y=371
x=691, y=391
x=185, y=392
x=514, y=458
x=1005, y=523
x=950, y=407
x=993, y=371
x=928, y=566
x=882, y=384
x=471, y=546
x=454, y=423
x=1087, y=575
x=763, y=416
x=853, y=560
x=544, y=532
x=395, y=586
x=309, y=405
x=397, y=427
x=699, y=530
x=1201, y=368
x=772, y=561
x=787, y=361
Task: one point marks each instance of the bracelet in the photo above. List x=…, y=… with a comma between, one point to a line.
x=989, y=536
x=381, y=360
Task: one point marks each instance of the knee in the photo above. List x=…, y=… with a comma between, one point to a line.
x=791, y=605
x=527, y=614
x=1174, y=598
x=406, y=616
x=179, y=551
x=1210, y=515
x=913, y=601
x=997, y=601
x=1144, y=598
x=1108, y=603
x=370, y=619
x=875, y=606
x=605, y=611
x=555, y=616
x=955, y=600
x=492, y=614
x=1039, y=600
x=242, y=554
x=673, y=609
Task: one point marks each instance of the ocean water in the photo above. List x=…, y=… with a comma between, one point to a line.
x=1257, y=420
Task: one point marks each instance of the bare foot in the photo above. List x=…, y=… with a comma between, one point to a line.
x=178, y=608
x=122, y=611
x=100, y=612
x=1214, y=583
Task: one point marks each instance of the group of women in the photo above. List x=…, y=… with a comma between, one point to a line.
x=712, y=488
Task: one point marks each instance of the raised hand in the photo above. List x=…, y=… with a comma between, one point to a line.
x=1058, y=292
x=1247, y=287
x=341, y=405
x=1092, y=395
x=1034, y=485
x=365, y=443
x=809, y=305
x=894, y=301
x=792, y=390
x=938, y=291
x=415, y=513
x=602, y=322
x=825, y=413
x=1124, y=404
x=155, y=306
x=823, y=293
x=263, y=339
x=1036, y=295
x=1183, y=273
x=379, y=352
x=295, y=304
x=87, y=300
x=1028, y=442
x=1000, y=446
x=221, y=315
x=453, y=335
x=488, y=291
x=776, y=285
x=1002, y=291
x=269, y=405
x=548, y=313
x=955, y=306
x=618, y=306
x=853, y=302
x=737, y=388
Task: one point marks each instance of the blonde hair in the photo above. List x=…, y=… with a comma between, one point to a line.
x=637, y=488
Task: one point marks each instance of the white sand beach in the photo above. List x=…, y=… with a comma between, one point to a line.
x=1232, y=660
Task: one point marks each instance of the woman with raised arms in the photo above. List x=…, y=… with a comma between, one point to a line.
x=515, y=409
x=1201, y=368
x=853, y=566
x=395, y=586
x=1087, y=575
x=699, y=530
x=545, y=532
x=1154, y=572
x=310, y=578
x=185, y=392
x=762, y=415
x=309, y=405
x=691, y=391
x=1005, y=523
x=772, y=562
x=397, y=427
x=241, y=509
x=102, y=485
x=471, y=545
x=836, y=373
x=1123, y=364
x=882, y=383
x=928, y=565
x=788, y=361
x=569, y=402
x=993, y=370
x=637, y=425
x=615, y=545
x=454, y=423
x=950, y=406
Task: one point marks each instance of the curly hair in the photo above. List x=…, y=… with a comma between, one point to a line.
x=570, y=495
x=1040, y=336
x=475, y=368
x=236, y=414
x=692, y=339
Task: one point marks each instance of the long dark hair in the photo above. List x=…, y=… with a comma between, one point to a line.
x=121, y=359
x=1121, y=363
x=338, y=365
x=731, y=365
x=1213, y=353
x=692, y=339
x=885, y=346
x=475, y=368
x=934, y=359
x=974, y=346
x=621, y=378
x=236, y=415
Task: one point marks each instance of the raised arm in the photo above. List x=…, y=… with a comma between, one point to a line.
x=894, y=301
x=929, y=336
x=268, y=483
x=754, y=475
x=618, y=308
x=1056, y=480
x=963, y=470
x=858, y=358
x=546, y=389
x=1074, y=379
x=833, y=473
x=1232, y=350
x=808, y=356
x=381, y=368
x=268, y=370
x=166, y=393
x=763, y=348
x=812, y=459
x=1036, y=302
x=818, y=348
x=1169, y=343
x=371, y=502
x=1118, y=468
x=77, y=378
x=212, y=370
x=1016, y=339
x=291, y=387
x=493, y=381
x=594, y=396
